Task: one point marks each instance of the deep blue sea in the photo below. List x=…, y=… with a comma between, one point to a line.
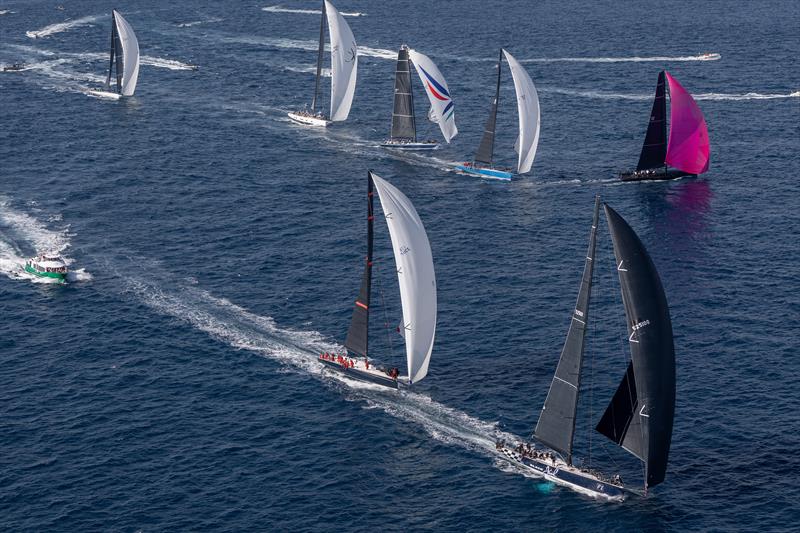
x=173, y=385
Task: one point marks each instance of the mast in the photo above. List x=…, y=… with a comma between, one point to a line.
x=358, y=335
x=111, y=60
x=556, y=426
x=640, y=415
x=319, y=56
x=403, y=122
x=485, y=151
x=654, y=148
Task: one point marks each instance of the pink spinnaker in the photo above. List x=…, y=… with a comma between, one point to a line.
x=688, y=148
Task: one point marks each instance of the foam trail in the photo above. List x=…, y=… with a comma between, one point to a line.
x=242, y=329
x=309, y=69
x=281, y=9
x=198, y=22
x=5, y=11
x=62, y=26
x=700, y=96
x=170, y=64
x=19, y=227
x=297, y=44
x=635, y=59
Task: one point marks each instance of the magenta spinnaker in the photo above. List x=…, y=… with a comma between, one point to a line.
x=688, y=148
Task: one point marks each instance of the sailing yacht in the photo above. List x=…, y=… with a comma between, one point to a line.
x=417, y=280
x=639, y=416
x=125, y=55
x=529, y=124
x=403, y=134
x=344, y=67
x=686, y=150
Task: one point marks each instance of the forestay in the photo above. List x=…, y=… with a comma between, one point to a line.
x=344, y=64
x=528, y=109
x=414, y=261
x=130, y=54
x=442, y=110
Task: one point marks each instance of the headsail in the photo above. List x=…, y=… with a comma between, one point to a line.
x=688, y=148
x=529, y=115
x=442, y=110
x=556, y=426
x=127, y=55
x=485, y=152
x=654, y=149
x=357, y=339
x=648, y=407
x=412, y=254
x=344, y=64
x=403, y=123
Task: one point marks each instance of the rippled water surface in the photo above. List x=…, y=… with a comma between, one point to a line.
x=216, y=249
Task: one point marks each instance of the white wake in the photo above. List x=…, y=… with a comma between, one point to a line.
x=281, y=9
x=634, y=59
x=62, y=26
x=19, y=228
x=603, y=95
x=298, y=350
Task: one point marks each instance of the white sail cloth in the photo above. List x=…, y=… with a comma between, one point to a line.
x=442, y=110
x=344, y=64
x=130, y=54
x=412, y=254
x=528, y=109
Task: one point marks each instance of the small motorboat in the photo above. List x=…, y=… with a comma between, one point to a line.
x=49, y=265
x=16, y=67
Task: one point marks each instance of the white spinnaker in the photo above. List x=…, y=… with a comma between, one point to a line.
x=528, y=109
x=130, y=54
x=412, y=255
x=442, y=110
x=344, y=64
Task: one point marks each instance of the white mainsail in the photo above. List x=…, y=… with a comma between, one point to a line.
x=412, y=254
x=442, y=110
x=344, y=64
x=130, y=54
x=528, y=109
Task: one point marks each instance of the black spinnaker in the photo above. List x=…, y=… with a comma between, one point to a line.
x=654, y=149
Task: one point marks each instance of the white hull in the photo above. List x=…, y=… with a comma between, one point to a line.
x=104, y=94
x=308, y=120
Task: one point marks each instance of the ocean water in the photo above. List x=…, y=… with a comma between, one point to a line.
x=217, y=248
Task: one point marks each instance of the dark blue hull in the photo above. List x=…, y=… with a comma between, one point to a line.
x=360, y=375
x=569, y=477
x=659, y=174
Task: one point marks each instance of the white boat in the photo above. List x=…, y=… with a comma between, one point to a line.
x=344, y=67
x=417, y=280
x=639, y=416
x=404, y=126
x=125, y=57
x=529, y=124
x=50, y=266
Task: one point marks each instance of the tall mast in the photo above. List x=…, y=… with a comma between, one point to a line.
x=319, y=56
x=111, y=60
x=358, y=335
x=485, y=152
x=556, y=426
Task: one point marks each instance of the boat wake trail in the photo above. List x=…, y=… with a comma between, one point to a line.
x=63, y=26
x=198, y=22
x=23, y=235
x=298, y=350
x=635, y=59
x=601, y=95
x=280, y=9
x=299, y=44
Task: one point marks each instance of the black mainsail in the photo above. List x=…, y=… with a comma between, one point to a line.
x=485, y=151
x=357, y=335
x=403, y=123
x=556, y=426
x=654, y=149
x=319, y=57
x=640, y=415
